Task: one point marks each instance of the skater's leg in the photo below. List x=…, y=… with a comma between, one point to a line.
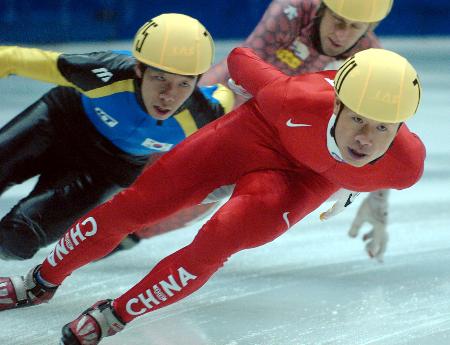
x=55, y=203
x=263, y=206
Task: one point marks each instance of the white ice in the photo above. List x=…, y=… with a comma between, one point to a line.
x=312, y=286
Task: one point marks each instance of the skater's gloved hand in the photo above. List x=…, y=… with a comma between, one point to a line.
x=373, y=210
x=238, y=90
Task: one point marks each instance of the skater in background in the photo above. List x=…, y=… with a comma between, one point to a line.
x=298, y=141
x=112, y=114
x=300, y=36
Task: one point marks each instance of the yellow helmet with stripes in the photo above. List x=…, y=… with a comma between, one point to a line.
x=368, y=11
x=174, y=43
x=380, y=85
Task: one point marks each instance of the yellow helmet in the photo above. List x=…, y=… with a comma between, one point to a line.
x=174, y=43
x=380, y=85
x=368, y=11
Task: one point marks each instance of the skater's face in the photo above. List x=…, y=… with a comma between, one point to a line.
x=362, y=140
x=338, y=34
x=162, y=92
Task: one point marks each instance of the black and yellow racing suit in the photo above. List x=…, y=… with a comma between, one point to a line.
x=86, y=139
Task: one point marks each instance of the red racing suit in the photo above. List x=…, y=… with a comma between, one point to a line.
x=282, y=172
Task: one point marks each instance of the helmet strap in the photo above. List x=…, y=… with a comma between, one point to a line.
x=315, y=37
x=138, y=92
x=333, y=129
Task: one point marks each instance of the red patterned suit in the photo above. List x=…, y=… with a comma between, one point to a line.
x=286, y=37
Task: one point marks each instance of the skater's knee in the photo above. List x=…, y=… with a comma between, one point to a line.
x=18, y=241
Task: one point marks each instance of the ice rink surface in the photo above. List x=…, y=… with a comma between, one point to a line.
x=312, y=286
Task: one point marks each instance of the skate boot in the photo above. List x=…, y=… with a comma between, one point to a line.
x=19, y=291
x=92, y=325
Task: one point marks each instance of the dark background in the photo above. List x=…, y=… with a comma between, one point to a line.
x=52, y=21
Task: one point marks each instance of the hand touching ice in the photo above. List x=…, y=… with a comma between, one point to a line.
x=373, y=210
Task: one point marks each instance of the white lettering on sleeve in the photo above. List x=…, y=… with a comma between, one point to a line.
x=94, y=226
x=185, y=276
x=129, y=309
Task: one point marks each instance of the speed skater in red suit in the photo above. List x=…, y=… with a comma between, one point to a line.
x=298, y=141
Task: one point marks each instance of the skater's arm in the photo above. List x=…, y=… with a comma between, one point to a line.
x=251, y=72
x=225, y=97
x=94, y=74
x=31, y=63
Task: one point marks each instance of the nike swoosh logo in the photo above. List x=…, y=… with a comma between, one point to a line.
x=289, y=123
x=286, y=219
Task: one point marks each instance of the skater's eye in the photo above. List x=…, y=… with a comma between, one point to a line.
x=382, y=128
x=357, y=119
x=185, y=84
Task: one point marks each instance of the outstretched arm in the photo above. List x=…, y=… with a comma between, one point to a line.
x=31, y=63
x=250, y=71
x=89, y=73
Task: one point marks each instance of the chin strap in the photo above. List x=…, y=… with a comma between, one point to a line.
x=333, y=149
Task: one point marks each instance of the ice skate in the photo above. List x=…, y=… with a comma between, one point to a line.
x=19, y=291
x=92, y=325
